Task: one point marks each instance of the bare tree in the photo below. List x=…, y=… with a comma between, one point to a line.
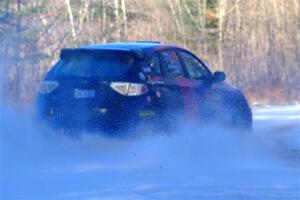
x=124, y=14
x=71, y=18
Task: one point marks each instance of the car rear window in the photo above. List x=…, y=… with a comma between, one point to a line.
x=95, y=64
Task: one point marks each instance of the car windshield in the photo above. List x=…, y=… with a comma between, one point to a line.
x=100, y=64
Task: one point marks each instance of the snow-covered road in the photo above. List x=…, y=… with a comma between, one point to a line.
x=193, y=163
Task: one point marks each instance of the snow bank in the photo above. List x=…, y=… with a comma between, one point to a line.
x=285, y=113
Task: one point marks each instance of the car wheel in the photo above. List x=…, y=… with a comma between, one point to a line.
x=237, y=116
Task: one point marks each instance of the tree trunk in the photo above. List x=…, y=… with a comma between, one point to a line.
x=71, y=19
x=125, y=34
x=117, y=22
x=221, y=13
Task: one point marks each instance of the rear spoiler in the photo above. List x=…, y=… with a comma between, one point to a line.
x=65, y=53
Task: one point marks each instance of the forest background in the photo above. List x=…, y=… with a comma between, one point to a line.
x=256, y=42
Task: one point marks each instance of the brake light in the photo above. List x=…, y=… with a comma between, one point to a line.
x=129, y=89
x=46, y=87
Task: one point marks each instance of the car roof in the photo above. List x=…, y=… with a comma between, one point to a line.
x=140, y=47
x=125, y=45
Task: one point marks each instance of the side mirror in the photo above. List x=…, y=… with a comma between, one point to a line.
x=218, y=76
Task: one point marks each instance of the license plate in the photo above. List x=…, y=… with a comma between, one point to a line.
x=84, y=93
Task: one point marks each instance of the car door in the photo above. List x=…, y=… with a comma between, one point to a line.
x=166, y=68
x=197, y=90
x=155, y=80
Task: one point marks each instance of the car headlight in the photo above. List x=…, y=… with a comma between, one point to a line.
x=46, y=87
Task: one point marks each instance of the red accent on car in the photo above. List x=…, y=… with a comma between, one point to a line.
x=188, y=92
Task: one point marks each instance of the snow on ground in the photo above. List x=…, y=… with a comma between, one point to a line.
x=282, y=113
x=192, y=163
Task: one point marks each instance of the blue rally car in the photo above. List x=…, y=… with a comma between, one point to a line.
x=117, y=85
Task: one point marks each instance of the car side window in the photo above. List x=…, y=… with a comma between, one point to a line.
x=194, y=67
x=171, y=64
x=155, y=65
